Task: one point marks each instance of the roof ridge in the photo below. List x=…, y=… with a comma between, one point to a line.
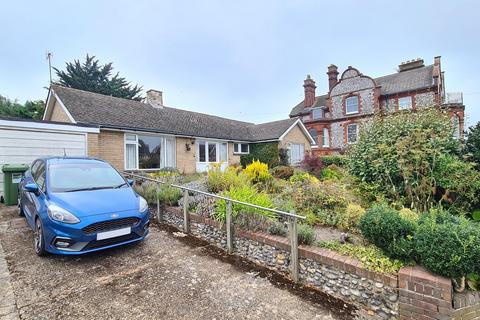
x=403, y=72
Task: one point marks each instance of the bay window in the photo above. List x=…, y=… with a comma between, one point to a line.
x=144, y=152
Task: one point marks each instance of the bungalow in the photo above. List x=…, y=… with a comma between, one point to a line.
x=148, y=135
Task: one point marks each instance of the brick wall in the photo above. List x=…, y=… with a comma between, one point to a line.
x=111, y=148
x=186, y=159
x=92, y=145
x=233, y=159
x=58, y=114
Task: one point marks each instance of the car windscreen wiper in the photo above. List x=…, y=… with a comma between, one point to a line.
x=120, y=185
x=88, y=189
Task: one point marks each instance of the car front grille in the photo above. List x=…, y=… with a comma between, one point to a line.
x=107, y=242
x=111, y=225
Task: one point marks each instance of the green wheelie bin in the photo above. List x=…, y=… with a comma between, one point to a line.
x=13, y=173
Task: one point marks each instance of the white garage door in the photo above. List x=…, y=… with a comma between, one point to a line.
x=25, y=142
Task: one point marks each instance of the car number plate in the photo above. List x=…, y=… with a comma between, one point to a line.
x=113, y=233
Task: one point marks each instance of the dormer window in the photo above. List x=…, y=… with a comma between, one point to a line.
x=317, y=113
x=351, y=105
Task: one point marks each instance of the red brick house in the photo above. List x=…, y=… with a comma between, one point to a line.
x=335, y=118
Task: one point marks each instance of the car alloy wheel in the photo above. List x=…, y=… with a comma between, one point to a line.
x=38, y=242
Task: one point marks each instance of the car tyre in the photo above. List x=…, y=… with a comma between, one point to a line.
x=38, y=239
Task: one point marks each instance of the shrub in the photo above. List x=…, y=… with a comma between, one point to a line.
x=165, y=175
x=303, y=177
x=148, y=190
x=409, y=215
x=399, y=152
x=384, y=227
x=168, y=195
x=370, y=256
x=245, y=193
x=337, y=160
x=350, y=218
x=257, y=172
x=312, y=164
x=264, y=152
x=306, y=234
x=277, y=228
x=252, y=222
x=219, y=180
x=282, y=172
x=283, y=159
x=330, y=173
x=448, y=245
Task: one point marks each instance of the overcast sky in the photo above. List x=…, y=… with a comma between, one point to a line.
x=240, y=59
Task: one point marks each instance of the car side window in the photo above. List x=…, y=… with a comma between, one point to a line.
x=34, y=167
x=39, y=175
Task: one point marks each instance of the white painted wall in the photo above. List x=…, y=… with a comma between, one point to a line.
x=22, y=142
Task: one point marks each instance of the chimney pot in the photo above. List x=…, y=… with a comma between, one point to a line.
x=332, y=76
x=309, y=86
x=411, y=64
x=155, y=98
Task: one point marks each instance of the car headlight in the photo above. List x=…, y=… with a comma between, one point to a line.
x=61, y=215
x=142, y=204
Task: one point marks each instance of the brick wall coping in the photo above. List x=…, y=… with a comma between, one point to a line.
x=321, y=255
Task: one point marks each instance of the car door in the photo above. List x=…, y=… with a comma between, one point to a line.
x=36, y=202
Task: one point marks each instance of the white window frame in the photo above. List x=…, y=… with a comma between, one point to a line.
x=321, y=113
x=137, y=163
x=404, y=99
x=358, y=105
x=356, y=133
x=326, y=138
x=290, y=160
x=217, y=151
x=239, y=146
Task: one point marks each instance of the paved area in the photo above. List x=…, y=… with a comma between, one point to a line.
x=162, y=278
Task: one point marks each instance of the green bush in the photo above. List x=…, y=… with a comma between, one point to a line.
x=370, y=256
x=448, y=245
x=303, y=177
x=264, y=152
x=306, y=234
x=400, y=153
x=277, y=228
x=245, y=193
x=218, y=180
x=339, y=161
x=282, y=172
x=168, y=195
x=330, y=173
x=148, y=190
x=384, y=227
x=350, y=218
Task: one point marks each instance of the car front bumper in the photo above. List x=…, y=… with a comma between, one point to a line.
x=73, y=239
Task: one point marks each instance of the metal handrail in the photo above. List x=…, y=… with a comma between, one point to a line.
x=288, y=214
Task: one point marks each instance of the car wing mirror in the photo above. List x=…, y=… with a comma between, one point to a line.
x=130, y=182
x=31, y=187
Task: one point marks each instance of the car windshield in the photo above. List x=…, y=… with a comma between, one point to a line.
x=83, y=176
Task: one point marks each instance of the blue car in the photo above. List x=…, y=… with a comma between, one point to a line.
x=80, y=205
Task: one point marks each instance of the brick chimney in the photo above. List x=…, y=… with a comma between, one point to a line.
x=310, y=87
x=410, y=64
x=155, y=98
x=332, y=76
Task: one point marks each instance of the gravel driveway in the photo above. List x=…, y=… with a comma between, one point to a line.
x=166, y=277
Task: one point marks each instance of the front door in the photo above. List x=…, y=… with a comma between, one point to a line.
x=209, y=152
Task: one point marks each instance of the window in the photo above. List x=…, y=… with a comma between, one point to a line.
x=209, y=151
x=456, y=126
x=351, y=105
x=306, y=118
x=39, y=175
x=317, y=113
x=326, y=138
x=313, y=132
x=296, y=153
x=352, y=133
x=404, y=103
x=241, y=148
x=149, y=152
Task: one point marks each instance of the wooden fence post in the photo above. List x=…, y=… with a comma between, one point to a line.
x=229, y=227
x=293, y=235
x=186, y=216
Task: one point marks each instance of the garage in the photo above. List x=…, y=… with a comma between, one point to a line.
x=22, y=141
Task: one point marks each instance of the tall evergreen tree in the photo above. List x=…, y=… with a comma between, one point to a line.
x=31, y=109
x=94, y=77
x=472, y=144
